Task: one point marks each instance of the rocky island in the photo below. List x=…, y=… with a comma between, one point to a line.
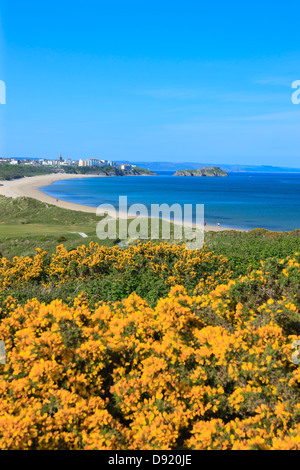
x=214, y=171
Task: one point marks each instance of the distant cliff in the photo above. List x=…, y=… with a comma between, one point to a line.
x=110, y=171
x=214, y=171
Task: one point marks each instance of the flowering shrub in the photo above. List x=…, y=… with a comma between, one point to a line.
x=111, y=273
x=201, y=370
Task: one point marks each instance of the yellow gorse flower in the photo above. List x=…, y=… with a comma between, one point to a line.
x=204, y=370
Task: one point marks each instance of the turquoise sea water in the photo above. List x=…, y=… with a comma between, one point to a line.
x=243, y=200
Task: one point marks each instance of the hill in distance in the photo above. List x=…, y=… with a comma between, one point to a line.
x=177, y=166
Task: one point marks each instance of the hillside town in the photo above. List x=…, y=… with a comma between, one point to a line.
x=61, y=162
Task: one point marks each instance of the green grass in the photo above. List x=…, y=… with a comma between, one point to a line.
x=26, y=224
x=106, y=170
x=9, y=172
x=25, y=211
x=246, y=249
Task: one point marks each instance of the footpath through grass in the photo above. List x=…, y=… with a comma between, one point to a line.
x=26, y=224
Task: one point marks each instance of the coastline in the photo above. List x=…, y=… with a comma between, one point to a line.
x=29, y=186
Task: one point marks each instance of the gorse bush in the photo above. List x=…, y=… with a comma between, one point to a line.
x=112, y=274
x=207, y=363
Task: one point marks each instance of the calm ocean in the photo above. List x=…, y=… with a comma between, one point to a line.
x=243, y=200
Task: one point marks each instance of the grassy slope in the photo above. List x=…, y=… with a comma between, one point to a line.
x=107, y=170
x=245, y=249
x=9, y=172
x=26, y=224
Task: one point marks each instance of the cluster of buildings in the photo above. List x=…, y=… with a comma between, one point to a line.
x=90, y=162
x=95, y=162
x=39, y=161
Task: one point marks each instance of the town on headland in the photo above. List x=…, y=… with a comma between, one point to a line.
x=12, y=168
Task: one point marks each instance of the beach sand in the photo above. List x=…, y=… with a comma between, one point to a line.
x=30, y=187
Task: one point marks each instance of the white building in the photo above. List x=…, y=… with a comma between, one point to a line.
x=91, y=162
x=52, y=162
x=126, y=166
x=94, y=162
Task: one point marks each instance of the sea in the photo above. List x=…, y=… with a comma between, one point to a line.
x=241, y=200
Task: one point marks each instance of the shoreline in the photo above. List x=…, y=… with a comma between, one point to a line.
x=29, y=186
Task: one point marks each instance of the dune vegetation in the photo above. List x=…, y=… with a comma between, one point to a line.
x=151, y=346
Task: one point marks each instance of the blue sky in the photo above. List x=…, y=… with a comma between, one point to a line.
x=151, y=80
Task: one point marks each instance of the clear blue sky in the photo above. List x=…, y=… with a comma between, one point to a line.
x=151, y=80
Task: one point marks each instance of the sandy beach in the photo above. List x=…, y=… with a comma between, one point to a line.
x=30, y=187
